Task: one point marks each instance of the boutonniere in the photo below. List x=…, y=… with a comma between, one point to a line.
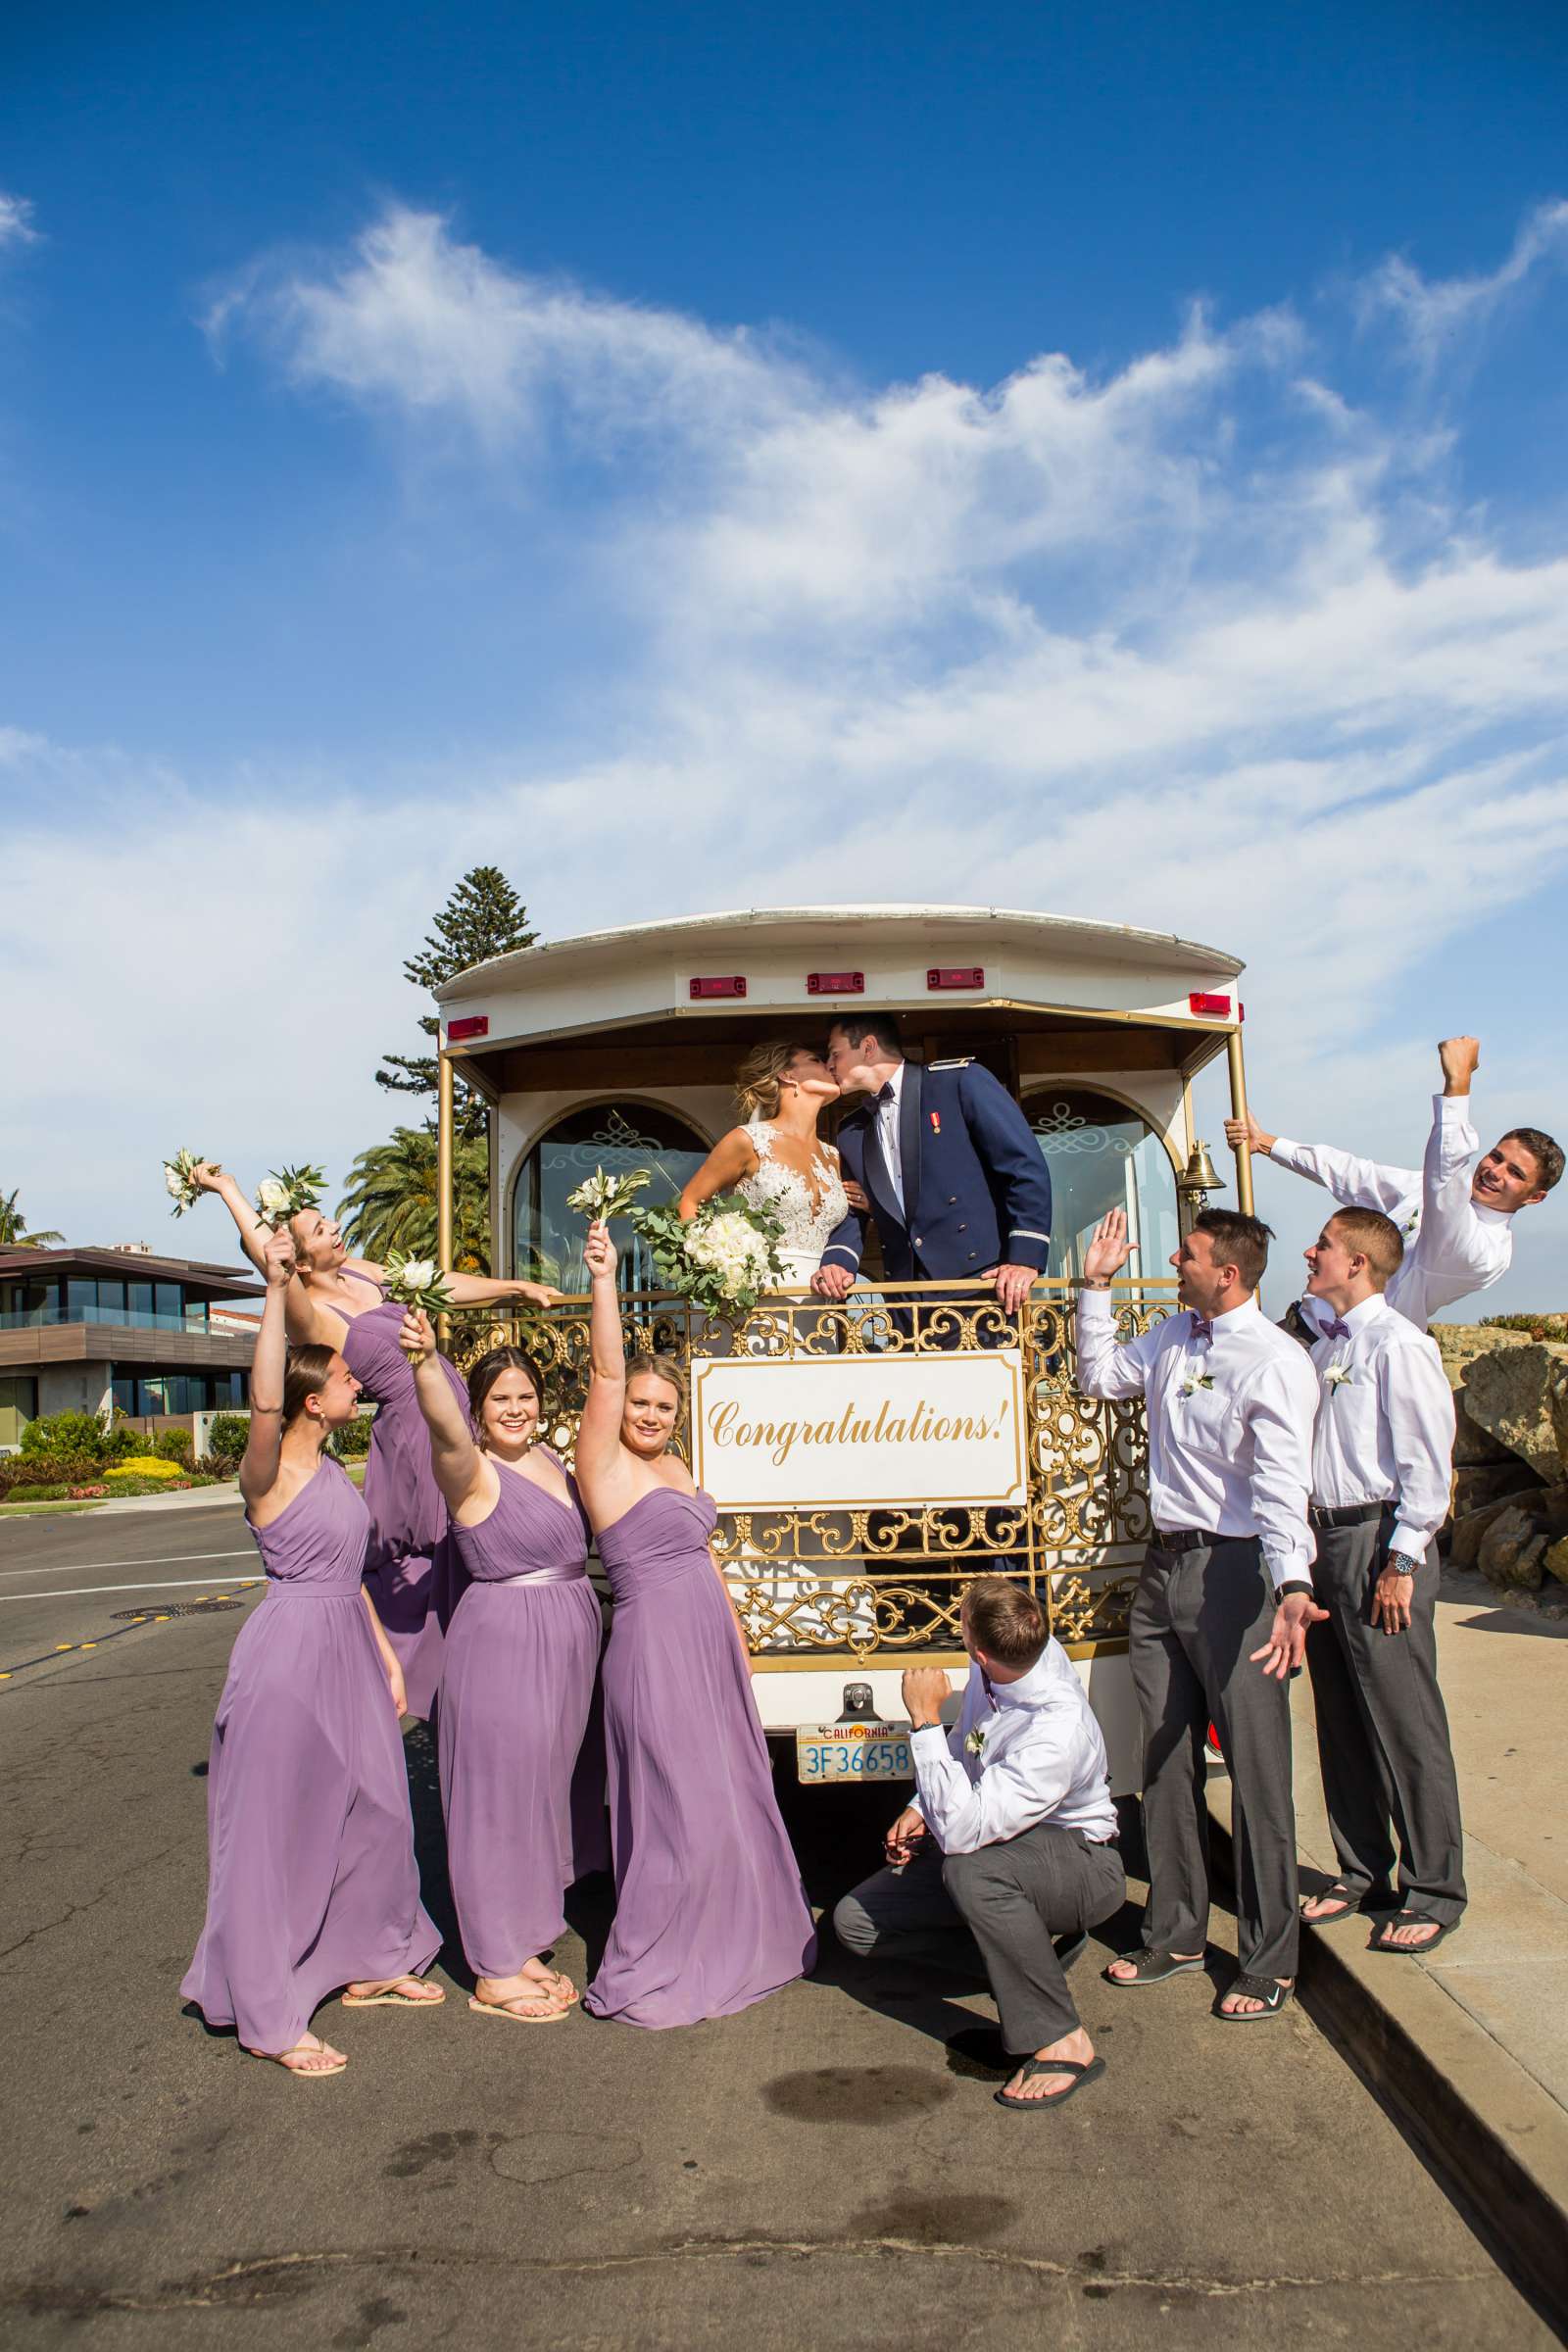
x=974, y=1742
x=1409, y=1226
x=936, y=1122
x=1197, y=1380
x=1336, y=1376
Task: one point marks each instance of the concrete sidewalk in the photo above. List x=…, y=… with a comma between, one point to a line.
x=1471, y=2047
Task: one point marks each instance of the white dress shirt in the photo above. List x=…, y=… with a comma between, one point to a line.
x=1452, y=1245
x=1230, y=1423
x=887, y=1131
x=1042, y=1760
x=1385, y=1422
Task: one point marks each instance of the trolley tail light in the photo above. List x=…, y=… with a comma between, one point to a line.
x=955, y=976
x=728, y=984
x=1211, y=1008
x=835, y=984
x=474, y=1024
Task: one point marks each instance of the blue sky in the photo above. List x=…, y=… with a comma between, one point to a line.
x=1104, y=461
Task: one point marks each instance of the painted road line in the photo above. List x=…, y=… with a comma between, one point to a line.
x=166, y=1584
x=159, y=1560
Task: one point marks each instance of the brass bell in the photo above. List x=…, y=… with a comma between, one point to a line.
x=1200, y=1176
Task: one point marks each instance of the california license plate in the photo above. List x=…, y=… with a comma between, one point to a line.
x=852, y=1751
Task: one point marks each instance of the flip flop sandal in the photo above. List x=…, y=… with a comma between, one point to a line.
x=1412, y=1918
x=1274, y=1998
x=570, y=1998
x=1085, y=2072
x=542, y=2015
x=1148, y=1967
x=1356, y=1906
x=392, y=1999
x=301, y=2074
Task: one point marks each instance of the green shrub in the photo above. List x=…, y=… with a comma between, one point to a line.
x=228, y=1433
x=175, y=1445
x=354, y=1438
x=51, y=1491
x=65, y=1432
x=1543, y=1326
x=121, y=1483
x=45, y=1470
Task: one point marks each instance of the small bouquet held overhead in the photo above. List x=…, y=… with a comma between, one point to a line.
x=180, y=1180
x=416, y=1282
x=287, y=1191
x=722, y=1260
x=599, y=1198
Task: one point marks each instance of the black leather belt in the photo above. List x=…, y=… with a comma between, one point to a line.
x=1346, y=1514
x=1189, y=1539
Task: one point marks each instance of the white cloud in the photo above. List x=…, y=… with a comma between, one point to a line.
x=1199, y=642
x=15, y=222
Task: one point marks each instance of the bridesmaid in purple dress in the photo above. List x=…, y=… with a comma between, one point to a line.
x=709, y=1911
x=312, y=1881
x=517, y=1681
x=335, y=1301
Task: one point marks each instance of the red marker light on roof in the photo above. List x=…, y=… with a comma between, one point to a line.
x=474, y=1024
x=729, y=984
x=957, y=975
x=1212, y=1009
x=835, y=984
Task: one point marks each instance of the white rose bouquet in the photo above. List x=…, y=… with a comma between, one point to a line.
x=599, y=1198
x=287, y=1191
x=416, y=1282
x=722, y=1260
x=179, y=1181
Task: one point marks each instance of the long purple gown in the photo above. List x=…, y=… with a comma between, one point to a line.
x=311, y=1881
x=709, y=1911
x=517, y=1686
x=403, y=1565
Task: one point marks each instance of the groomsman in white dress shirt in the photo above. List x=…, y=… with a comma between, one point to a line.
x=1223, y=1603
x=1009, y=1842
x=1454, y=1214
x=1381, y=1455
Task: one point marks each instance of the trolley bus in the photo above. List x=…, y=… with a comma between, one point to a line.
x=847, y=1564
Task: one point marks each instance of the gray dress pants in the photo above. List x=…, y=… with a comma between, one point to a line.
x=1195, y=1618
x=995, y=1910
x=1382, y=1729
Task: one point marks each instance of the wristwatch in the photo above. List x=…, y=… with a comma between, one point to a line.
x=1295, y=1585
x=1400, y=1563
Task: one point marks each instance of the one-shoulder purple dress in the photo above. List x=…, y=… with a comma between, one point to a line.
x=405, y=1563
x=311, y=1881
x=709, y=1911
x=517, y=1686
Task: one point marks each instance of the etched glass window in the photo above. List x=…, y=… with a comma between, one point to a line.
x=618, y=1137
x=1101, y=1156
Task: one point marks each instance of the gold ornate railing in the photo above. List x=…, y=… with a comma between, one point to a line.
x=877, y=1583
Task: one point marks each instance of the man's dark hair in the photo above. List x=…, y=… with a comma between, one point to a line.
x=1237, y=1241
x=1005, y=1620
x=1546, y=1154
x=883, y=1026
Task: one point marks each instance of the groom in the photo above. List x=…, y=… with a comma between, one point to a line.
x=956, y=1181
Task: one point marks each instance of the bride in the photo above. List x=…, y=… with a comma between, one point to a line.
x=775, y=1159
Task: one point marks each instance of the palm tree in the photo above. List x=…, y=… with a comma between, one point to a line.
x=14, y=1234
x=391, y=1200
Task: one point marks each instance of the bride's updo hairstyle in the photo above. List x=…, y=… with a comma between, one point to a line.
x=757, y=1080
x=487, y=1371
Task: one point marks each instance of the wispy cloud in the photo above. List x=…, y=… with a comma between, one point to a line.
x=15, y=222
x=1432, y=314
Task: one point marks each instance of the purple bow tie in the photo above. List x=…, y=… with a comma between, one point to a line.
x=885, y=1092
x=1201, y=1327
x=1335, y=1330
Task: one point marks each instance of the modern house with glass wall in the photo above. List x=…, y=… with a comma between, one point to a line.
x=91, y=1330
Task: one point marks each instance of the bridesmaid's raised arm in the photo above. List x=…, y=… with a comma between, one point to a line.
x=258, y=1470
x=732, y=1159
x=253, y=1229
x=599, y=1460
x=455, y=1459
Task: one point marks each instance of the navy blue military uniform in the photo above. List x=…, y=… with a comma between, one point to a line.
x=976, y=1187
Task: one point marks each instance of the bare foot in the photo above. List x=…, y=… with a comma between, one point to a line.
x=1125, y=1970
x=1411, y=1935
x=522, y=1996
x=1246, y=2004
x=1332, y=1903
x=309, y=2056
x=404, y=1992
x=551, y=1980
x=1076, y=2046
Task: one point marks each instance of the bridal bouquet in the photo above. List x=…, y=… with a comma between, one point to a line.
x=287, y=1191
x=722, y=1260
x=416, y=1282
x=179, y=1181
x=600, y=1197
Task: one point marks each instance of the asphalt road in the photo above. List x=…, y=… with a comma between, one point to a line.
x=818, y=2172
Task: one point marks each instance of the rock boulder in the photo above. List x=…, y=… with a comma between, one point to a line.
x=1520, y=1394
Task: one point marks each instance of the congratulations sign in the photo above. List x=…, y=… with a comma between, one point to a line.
x=807, y=1433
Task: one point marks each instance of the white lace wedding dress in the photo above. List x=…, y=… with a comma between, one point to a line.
x=808, y=1213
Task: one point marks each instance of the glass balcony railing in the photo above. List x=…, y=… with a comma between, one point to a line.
x=132, y=1318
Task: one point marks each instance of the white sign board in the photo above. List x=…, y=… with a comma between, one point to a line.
x=811, y=1433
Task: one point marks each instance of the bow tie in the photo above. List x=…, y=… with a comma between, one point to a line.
x=886, y=1094
x=1335, y=1330
x=1203, y=1327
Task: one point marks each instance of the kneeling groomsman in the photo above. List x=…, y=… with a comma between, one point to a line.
x=1381, y=1457
x=1221, y=1617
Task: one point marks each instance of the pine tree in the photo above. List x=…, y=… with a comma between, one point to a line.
x=483, y=918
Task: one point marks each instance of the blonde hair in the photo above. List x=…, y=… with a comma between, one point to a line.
x=663, y=1367
x=757, y=1080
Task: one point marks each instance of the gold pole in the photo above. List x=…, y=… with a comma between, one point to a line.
x=1243, y=1156
x=443, y=1177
